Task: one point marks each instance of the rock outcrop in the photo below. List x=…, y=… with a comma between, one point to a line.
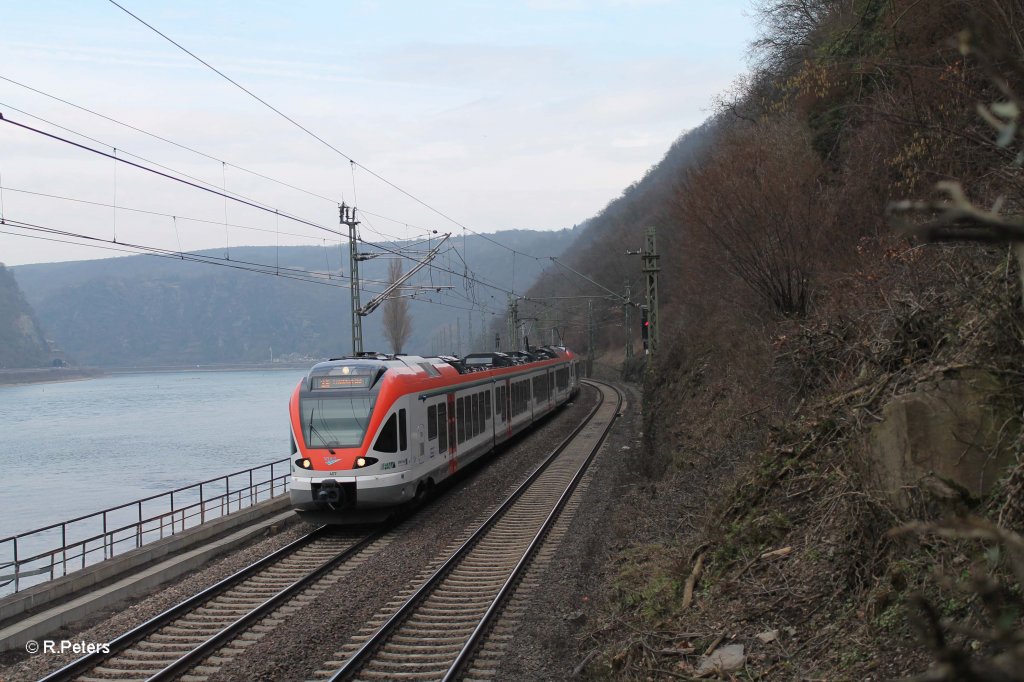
x=947, y=436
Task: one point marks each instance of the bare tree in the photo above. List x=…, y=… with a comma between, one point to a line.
x=760, y=202
x=397, y=323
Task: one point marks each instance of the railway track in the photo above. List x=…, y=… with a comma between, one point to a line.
x=436, y=631
x=205, y=632
x=238, y=611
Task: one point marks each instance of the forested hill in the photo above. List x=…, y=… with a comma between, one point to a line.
x=146, y=311
x=22, y=343
x=832, y=472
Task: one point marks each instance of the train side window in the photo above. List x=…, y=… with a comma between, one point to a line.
x=402, y=432
x=474, y=412
x=451, y=423
x=387, y=441
x=498, y=406
x=470, y=416
x=479, y=413
x=432, y=422
x=461, y=418
x=442, y=427
x=487, y=405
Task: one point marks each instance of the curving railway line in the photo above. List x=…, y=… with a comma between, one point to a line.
x=436, y=631
x=234, y=611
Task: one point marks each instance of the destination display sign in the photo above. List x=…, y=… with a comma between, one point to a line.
x=349, y=381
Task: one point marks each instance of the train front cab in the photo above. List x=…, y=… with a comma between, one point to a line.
x=338, y=465
x=425, y=437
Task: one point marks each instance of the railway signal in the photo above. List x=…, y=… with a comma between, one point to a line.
x=645, y=326
x=650, y=268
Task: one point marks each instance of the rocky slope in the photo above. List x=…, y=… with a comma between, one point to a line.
x=22, y=343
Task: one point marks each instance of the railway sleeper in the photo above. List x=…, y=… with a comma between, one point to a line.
x=148, y=670
x=405, y=659
x=396, y=674
x=436, y=640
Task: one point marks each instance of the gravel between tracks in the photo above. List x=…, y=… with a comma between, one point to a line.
x=310, y=636
x=110, y=623
x=547, y=644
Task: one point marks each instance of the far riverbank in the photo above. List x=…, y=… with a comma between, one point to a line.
x=47, y=375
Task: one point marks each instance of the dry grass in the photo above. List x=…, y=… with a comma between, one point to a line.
x=757, y=459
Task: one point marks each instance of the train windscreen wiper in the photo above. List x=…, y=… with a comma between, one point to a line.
x=314, y=432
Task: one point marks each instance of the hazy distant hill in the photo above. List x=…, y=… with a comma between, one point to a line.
x=145, y=310
x=22, y=343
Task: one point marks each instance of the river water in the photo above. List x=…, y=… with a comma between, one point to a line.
x=69, y=449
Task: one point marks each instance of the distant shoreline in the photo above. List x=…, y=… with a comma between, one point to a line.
x=50, y=375
x=240, y=367
x=47, y=375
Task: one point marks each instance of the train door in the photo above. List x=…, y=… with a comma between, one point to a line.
x=453, y=463
x=491, y=409
x=532, y=386
x=507, y=387
x=549, y=388
x=419, y=443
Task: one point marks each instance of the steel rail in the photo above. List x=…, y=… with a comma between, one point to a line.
x=140, y=632
x=465, y=656
x=360, y=657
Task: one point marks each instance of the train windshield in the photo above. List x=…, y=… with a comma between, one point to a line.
x=335, y=422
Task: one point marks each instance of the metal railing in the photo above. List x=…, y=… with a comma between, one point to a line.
x=54, y=551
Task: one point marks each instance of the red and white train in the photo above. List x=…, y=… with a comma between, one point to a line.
x=374, y=431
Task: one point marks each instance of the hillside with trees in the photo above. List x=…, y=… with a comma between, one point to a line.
x=831, y=483
x=148, y=311
x=22, y=343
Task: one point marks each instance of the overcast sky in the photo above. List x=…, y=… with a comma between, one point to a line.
x=500, y=114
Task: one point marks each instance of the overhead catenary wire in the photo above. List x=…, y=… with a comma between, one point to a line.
x=198, y=152
x=210, y=222
x=154, y=171
x=308, y=276
x=122, y=207
x=235, y=197
x=143, y=249
x=212, y=190
x=166, y=140
x=353, y=163
x=204, y=184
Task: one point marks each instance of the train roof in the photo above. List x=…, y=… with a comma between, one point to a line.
x=374, y=364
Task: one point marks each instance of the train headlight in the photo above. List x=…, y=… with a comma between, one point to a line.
x=360, y=461
x=304, y=463
x=365, y=462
